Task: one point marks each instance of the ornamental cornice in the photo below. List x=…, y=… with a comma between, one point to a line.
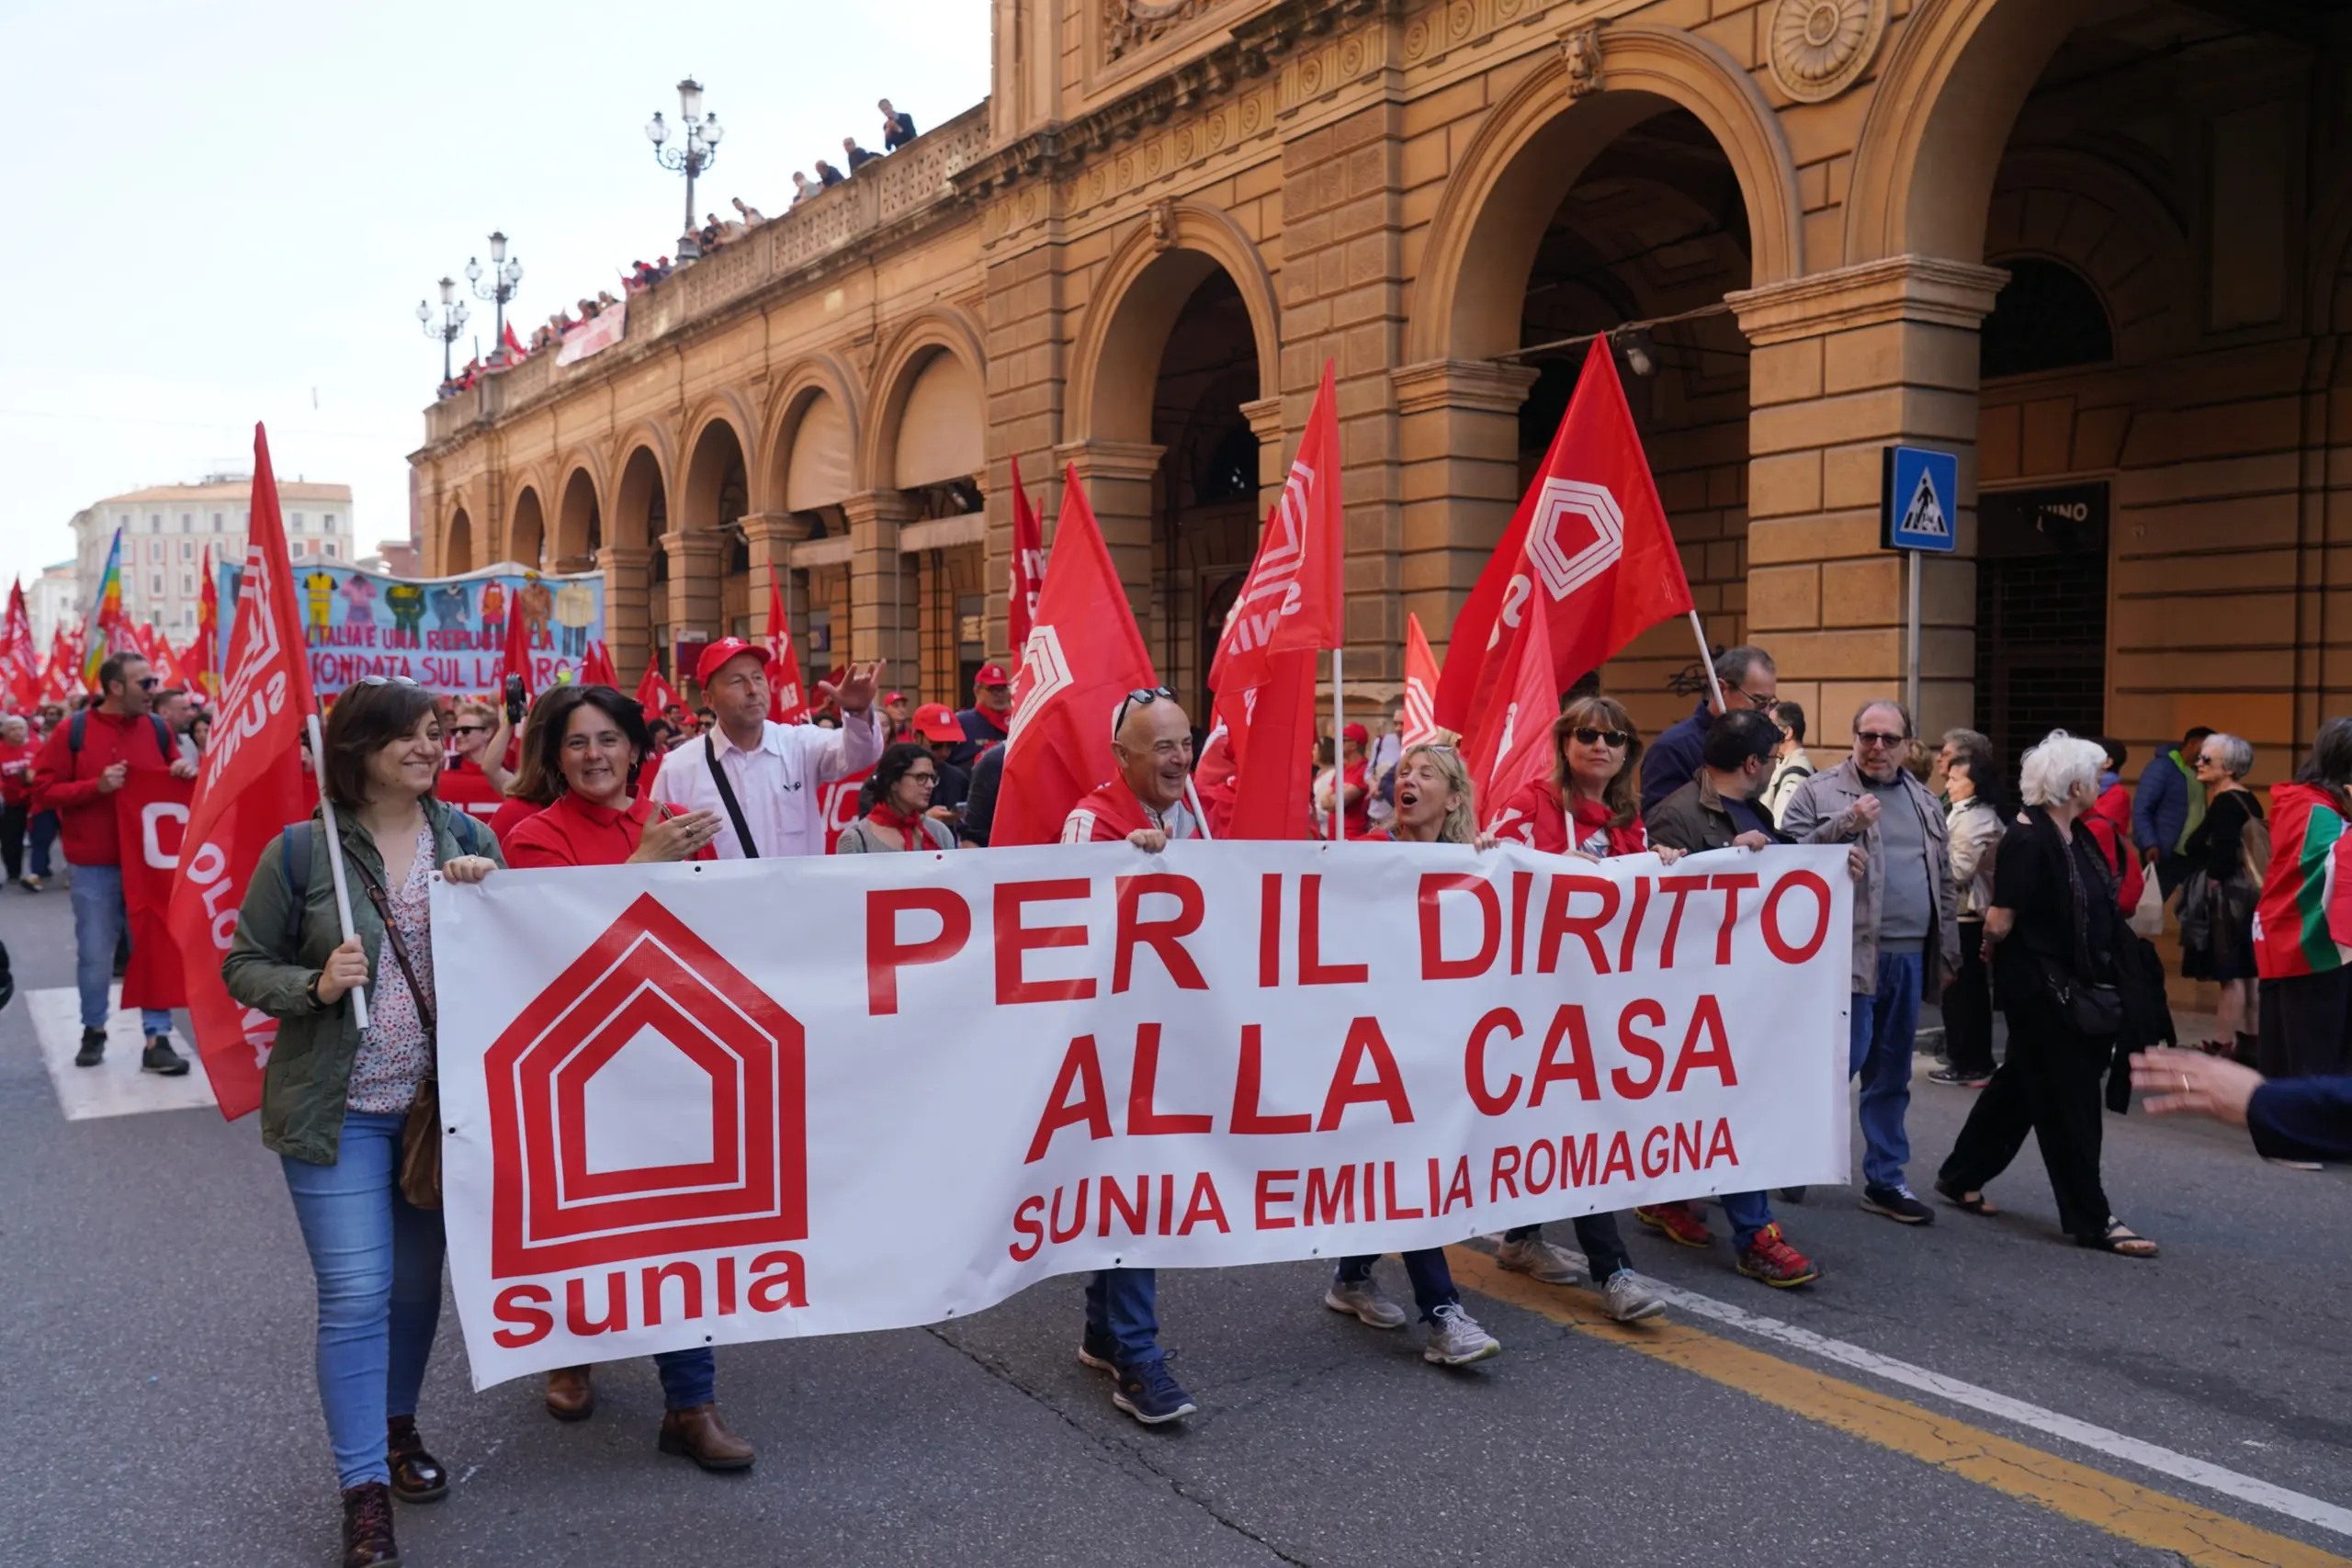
x=1900, y=288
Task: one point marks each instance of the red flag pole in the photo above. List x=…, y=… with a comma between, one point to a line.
x=1707, y=661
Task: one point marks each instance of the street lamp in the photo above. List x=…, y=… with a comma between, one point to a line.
x=453, y=322
x=505, y=277
x=700, y=152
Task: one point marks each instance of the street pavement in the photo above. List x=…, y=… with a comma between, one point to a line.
x=1979, y=1392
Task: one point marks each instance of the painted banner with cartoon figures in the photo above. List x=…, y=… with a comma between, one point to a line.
x=447, y=634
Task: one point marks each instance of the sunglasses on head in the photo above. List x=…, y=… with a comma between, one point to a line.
x=386, y=681
x=1615, y=740
x=1141, y=697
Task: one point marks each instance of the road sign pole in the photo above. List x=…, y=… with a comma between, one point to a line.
x=1911, y=680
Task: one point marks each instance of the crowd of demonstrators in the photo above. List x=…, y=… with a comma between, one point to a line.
x=2226, y=852
x=894, y=805
x=2055, y=932
x=1973, y=827
x=81, y=763
x=336, y=1099
x=1907, y=933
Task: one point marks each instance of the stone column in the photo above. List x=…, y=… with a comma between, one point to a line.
x=882, y=586
x=694, y=582
x=1118, y=476
x=1458, y=448
x=770, y=536
x=627, y=624
x=1265, y=417
x=1846, y=363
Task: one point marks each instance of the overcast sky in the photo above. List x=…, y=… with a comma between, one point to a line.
x=220, y=213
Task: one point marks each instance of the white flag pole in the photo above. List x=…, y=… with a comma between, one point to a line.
x=1707, y=662
x=335, y=859
x=1338, y=748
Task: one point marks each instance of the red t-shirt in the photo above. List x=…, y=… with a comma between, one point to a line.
x=1356, y=820
x=575, y=832
x=513, y=814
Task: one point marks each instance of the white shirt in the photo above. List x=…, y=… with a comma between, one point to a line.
x=778, y=784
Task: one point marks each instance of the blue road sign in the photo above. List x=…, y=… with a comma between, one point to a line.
x=1919, y=500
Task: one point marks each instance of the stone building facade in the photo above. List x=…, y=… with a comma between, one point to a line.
x=2102, y=248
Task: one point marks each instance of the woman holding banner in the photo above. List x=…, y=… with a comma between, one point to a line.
x=336, y=1099
x=1433, y=806
x=590, y=742
x=1590, y=805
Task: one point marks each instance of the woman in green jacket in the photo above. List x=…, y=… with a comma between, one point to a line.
x=334, y=1096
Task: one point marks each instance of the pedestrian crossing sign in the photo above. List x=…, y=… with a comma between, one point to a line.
x=1919, y=499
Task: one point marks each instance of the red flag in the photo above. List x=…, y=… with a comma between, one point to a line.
x=596, y=668
x=1274, y=777
x=1292, y=597
x=1420, y=685
x=787, y=700
x=1511, y=743
x=1590, y=541
x=515, y=659
x=1028, y=564
x=203, y=664
x=1084, y=654
x=57, y=671
x=150, y=814
x=251, y=788
x=19, y=660
x=655, y=694
x=515, y=349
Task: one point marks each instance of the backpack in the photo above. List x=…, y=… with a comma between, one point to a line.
x=78, y=729
x=298, y=839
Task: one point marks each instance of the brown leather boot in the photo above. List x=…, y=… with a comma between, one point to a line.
x=695, y=1434
x=570, y=1397
x=417, y=1476
x=367, y=1527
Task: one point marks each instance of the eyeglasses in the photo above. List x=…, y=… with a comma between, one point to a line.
x=1877, y=737
x=1615, y=740
x=149, y=682
x=1752, y=700
x=1141, y=697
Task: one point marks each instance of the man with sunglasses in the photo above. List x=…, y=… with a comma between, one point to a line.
x=83, y=761
x=1750, y=683
x=1151, y=747
x=1906, y=929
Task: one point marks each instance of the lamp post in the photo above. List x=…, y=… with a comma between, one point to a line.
x=700, y=152
x=453, y=322
x=505, y=277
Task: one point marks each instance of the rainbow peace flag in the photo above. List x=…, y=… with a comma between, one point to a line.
x=105, y=616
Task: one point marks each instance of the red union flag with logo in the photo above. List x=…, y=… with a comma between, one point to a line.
x=1420, y=685
x=696, y=1105
x=787, y=700
x=252, y=785
x=1589, y=545
x=1290, y=602
x=1028, y=563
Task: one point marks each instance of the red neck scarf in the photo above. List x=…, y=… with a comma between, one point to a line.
x=888, y=815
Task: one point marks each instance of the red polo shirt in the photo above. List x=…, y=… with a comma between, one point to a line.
x=574, y=832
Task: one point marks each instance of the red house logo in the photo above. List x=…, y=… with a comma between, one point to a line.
x=651, y=1101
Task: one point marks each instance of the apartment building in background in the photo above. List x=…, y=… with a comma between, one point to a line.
x=167, y=529
x=54, y=600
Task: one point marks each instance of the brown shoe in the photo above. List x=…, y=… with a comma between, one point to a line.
x=367, y=1527
x=417, y=1476
x=570, y=1397
x=695, y=1433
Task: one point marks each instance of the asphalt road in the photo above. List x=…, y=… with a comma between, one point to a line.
x=157, y=1403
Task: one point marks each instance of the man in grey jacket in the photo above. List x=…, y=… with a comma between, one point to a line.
x=1907, y=933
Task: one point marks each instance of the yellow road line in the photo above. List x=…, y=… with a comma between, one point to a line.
x=2118, y=1506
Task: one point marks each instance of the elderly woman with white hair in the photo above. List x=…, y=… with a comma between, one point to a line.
x=2217, y=901
x=2054, y=930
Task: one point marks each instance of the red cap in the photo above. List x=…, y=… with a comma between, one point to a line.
x=1357, y=733
x=992, y=675
x=893, y=697
x=725, y=648
x=935, y=721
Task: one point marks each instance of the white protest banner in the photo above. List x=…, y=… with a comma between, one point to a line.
x=596, y=334
x=712, y=1102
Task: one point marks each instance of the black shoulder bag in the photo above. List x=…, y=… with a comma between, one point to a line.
x=727, y=798
x=2092, y=1010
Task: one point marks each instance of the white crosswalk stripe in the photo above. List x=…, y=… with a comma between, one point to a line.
x=115, y=1086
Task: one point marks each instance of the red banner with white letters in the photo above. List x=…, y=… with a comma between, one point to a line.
x=694, y=1104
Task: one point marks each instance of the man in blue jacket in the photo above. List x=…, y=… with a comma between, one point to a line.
x=1748, y=681
x=2167, y=805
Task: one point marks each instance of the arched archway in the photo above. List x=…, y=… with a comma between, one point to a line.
x=714, y=574
x=526, y=533
x=641, y=511
x=580, y=523
x=927, y=457
x=636, y=584
x=458, y=544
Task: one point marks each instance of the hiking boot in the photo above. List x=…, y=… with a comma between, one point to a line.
x=1771, y=1259
x=1678, y=1222
x=1456, y=1340
x=160, y=1059
x=1147, y=1392
x=94, y=1048
x=1897, y=1204
x=1366, y=1301
x=1627, y=1300
x=1539, y=1260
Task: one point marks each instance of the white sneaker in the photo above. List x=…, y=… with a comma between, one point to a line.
x=2283, y=1161
x=1627, y=1301
x=1365, y=1299
x=1456, y=1340
x=1539, y=1260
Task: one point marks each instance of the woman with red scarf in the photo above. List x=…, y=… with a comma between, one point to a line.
x=897, y=798
x=590, y=742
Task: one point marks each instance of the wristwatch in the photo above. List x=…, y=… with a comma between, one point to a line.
x=311, y=989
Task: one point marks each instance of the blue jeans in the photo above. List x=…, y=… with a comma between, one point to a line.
x=1122, y=1315
x=98, y=921
x=1426, y=1266
x=1748, y=1213
x=1884, y=1024
x=378, y=1261
x=43, y=831
x=688, y=1377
